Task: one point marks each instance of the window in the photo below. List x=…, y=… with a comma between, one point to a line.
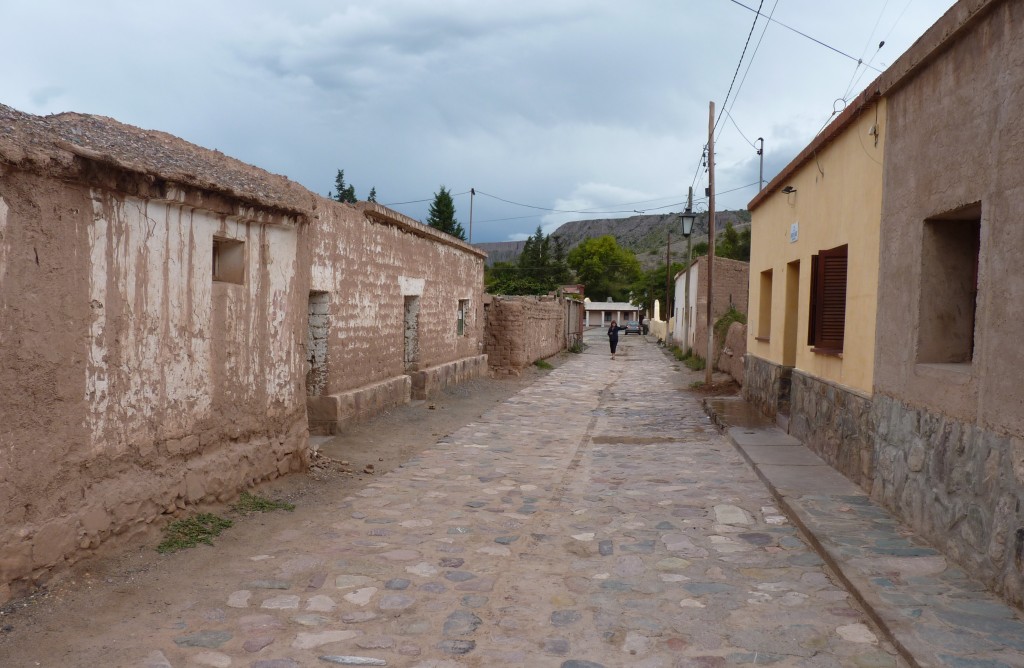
x=228, y=260
x=828, y=301
x=461, y=328
x=764, y=309
x=950, y=245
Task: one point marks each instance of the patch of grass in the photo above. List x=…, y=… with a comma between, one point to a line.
x=697, y=384
x=678, y=353
x=252, y=503
x=543, y=364
x=694, y=362
x=191, y=531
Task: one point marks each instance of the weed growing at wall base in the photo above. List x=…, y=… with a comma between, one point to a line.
x=252, y=503
x=543, y=364
x=190, y=532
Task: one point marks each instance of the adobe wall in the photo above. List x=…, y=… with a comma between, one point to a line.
x=132, y=384
x=730, y=290
x=731, y=357
x=950, y=436
x=521, y=330
x=367, y=291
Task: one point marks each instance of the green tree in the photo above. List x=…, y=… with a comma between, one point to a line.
x=541, y=268
x=650, y=286
x=442, y=214
x=372, y=197
x=343, y=192
x=730, y=243
x=607, y=269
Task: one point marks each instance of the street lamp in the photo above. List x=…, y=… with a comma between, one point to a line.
x=688, y=217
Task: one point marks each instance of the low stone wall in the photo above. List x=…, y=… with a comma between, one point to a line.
x=428, y=382
x=521, y=330
x=959, y=485
x=328, y=414
x=766, y=385
x=731, y=356
x=835, y=422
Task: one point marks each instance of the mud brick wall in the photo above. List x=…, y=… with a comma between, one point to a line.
x=960, y=485
x=731, y=290
x=134, y=385
x=368, y=261
x=730, y=358
x=522, y=330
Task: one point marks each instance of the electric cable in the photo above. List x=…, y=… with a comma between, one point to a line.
x=802, y=34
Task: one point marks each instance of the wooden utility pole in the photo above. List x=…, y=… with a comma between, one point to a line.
x=687, y=316
x=472, y=194
x=709, y=360
x=668, y=299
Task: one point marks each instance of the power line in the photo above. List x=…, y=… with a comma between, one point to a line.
x=750, y=62
x=738, y=65
x=802, y=34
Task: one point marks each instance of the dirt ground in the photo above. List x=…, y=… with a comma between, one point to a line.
x=47, y=628
x=52, y=627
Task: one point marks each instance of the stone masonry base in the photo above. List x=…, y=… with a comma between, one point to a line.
x=959, y=485
x=328, y=414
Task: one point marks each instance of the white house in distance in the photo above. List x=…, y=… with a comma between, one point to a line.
x=601, y=314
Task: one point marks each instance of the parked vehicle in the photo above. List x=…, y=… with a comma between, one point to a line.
x=633, y=327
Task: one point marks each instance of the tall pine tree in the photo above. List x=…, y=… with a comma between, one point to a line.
x=442, y=214
x=342, y=192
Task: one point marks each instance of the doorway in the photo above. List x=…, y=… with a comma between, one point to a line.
x=316, y=343
x=412, y=334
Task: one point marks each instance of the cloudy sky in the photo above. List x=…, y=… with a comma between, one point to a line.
x=581, y=106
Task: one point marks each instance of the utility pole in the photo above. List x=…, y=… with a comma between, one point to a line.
x=472, y=194
x=760, y=174
x=709, y=360
x=689, y=261
x=668, y=273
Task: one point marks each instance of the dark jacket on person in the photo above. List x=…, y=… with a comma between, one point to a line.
x=613, y=333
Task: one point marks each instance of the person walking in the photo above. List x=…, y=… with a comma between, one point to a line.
x=613, y=336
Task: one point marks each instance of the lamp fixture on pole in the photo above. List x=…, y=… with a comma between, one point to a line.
x=688, y=217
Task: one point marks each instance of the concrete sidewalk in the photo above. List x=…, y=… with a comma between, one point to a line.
x=930, y=609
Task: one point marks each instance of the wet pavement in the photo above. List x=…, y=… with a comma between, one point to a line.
x=597, y=518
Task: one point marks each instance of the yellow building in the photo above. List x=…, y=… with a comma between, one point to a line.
x=813, y=288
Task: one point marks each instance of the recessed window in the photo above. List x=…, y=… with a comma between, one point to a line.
x=950, y=245
x=764, y=309
x=827, y=327
x=461, y=317
x=228, y=260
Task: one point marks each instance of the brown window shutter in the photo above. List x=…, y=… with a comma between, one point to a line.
x=830, y=327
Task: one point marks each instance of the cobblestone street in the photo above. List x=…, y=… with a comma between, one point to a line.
x=596, y=518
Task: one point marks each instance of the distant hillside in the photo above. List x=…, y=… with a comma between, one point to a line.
x=645, y=235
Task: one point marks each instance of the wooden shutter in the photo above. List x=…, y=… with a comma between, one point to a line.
x=830, y=311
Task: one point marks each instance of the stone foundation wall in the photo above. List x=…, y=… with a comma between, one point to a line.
x=834, y=422
x=428, y=382
x=765, y=384
x=521, y=330
x=959, y=485
x=330, y=413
